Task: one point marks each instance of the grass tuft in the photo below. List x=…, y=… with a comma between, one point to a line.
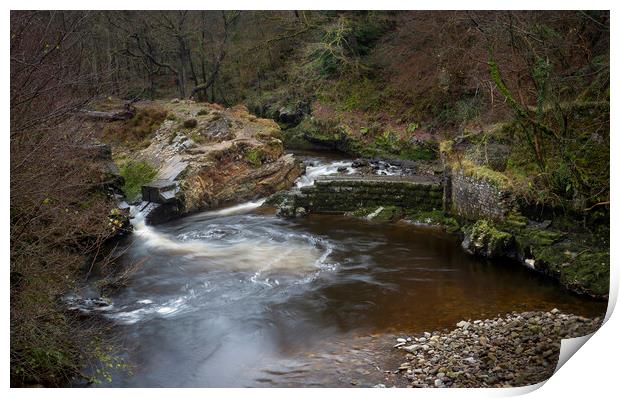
x=136, y=174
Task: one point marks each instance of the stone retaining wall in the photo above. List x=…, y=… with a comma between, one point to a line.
x=473, y=198
x=461, y=195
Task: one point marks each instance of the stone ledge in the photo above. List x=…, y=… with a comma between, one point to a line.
x=160, y=191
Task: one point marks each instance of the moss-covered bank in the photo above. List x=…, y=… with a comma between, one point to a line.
x=579, y=261
x=315, y=133
x=553, y=219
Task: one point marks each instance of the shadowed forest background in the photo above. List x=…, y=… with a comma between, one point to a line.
x=390, y=84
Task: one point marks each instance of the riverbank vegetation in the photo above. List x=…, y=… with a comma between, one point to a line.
x=62, y=206
x=519, y=99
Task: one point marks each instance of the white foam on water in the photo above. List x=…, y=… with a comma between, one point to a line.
x=160, y=241
x=149, y=308
x=295, y=254
x=308, y=256
x=237, y=209
x=322, y=169
x=269, y=258
x=262, y=254
x=388, y=169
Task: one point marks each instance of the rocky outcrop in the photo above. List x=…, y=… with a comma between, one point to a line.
x=277, y=106
x=290, y=116
x=208, y=156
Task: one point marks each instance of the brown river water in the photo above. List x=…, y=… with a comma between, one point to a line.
x=239, y=297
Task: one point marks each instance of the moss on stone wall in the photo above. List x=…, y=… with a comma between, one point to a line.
x=348, y=195
x=470, y=169
x=379, y=213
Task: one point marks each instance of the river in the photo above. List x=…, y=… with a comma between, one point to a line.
x=238, y=297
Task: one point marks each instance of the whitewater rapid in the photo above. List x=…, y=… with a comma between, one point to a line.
x=315, y=169
x=246, y=253
x=261, y=249
x=240, y=297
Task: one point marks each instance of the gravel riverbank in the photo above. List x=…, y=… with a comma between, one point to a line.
x=514, y=350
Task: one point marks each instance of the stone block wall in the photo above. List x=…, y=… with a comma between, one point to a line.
x=473, y=198
x=461, y=195
x=337, y=196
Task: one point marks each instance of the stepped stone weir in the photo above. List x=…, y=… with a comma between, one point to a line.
x=339, y=194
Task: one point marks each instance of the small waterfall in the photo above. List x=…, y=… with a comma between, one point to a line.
x=237, y=243
x=153, y=238
x=316, y=169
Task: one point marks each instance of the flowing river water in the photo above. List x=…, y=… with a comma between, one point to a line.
x=238, y=297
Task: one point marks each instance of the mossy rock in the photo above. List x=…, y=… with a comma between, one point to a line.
x=294, y=139
x=311, y=135
x=516, y=220
x=580, y=265
x=256, y=156
x=582, y=270
x=277, y=198
x=483, y=238
x=434, y=217
x=531, y=236
x=578, y=260
x=587, y=273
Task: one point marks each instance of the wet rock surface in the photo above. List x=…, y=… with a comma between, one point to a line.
x=383, y=167
x=85, y=305
x=514, y=350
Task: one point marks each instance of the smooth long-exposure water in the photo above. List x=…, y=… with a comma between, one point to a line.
x=239, y=297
